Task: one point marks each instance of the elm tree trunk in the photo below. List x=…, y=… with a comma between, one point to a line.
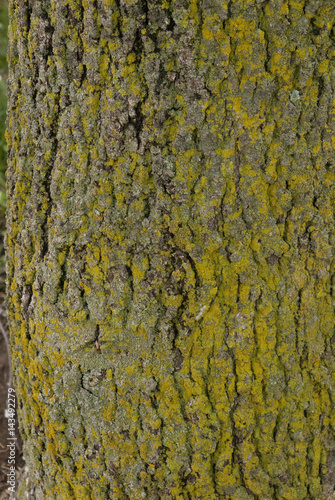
x=170, y=247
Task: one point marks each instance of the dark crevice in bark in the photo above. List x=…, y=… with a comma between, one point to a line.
x=237, y=179
x=96, y=338
x=177, y=252
x=130, y=298
x=297, y=318
x=45, y=225
x=119, y=19
x=137, y=121
x=85, y=388
x=83, y=76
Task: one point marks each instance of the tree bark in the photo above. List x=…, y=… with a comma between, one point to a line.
x=170, y=247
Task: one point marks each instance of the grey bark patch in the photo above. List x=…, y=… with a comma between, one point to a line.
x=329, y=477
x=272, y=259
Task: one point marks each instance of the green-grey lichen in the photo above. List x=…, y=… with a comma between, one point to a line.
x=294, y=95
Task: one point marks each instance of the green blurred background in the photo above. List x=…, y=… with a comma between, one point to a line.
x=3, y=147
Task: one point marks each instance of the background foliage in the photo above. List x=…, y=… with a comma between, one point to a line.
x=3, y=147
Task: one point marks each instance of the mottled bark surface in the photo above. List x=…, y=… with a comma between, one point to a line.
x=170, y=247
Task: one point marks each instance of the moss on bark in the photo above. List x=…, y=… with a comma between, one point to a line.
x=170, y=241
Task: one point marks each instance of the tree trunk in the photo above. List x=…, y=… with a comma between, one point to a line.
x=170, y=247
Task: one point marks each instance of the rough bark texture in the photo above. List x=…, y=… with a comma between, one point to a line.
x=170, y=247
